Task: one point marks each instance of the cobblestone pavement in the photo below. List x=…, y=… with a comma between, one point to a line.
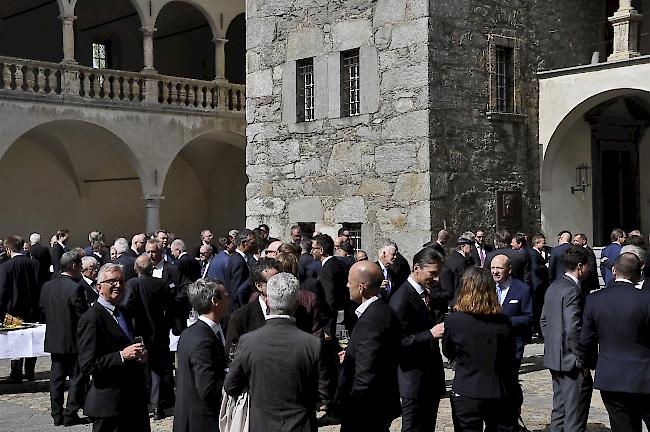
x=25, y=406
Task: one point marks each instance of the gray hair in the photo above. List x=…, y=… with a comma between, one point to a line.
x=121, y=245
x=385, y=244
x=35, y=238
x=469, y=235
x=201, y=293
x=88, y=261
x=180, y=244
x=636, y=250
x=282, y=293
x=69, y=258
x=109, y=268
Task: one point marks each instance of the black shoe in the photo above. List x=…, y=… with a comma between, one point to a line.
x=327, y=420
x=158, y=414
x=58, y=421
x=30, y=377
x=75, y=420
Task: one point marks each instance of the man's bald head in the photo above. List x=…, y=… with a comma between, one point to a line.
x=143, y=265
x=500, y=268
x=364, y=280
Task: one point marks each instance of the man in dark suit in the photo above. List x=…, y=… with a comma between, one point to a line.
x=539, y=254
x=452, y=270
x=188, y=266
x=556, y=261
x=368, y=393
x=41, y=254
x=89, y=271
x=202, y=360
x=516, y=302
x=480, y=249
x=238, y=271
x=121, y=247
x=439, y=244
x=206, y=240
x=591, y=283
x=519, y=260
x=150, y=305
x=333, y=297
x=117, y=398
x=609, y=254
x=401, y=268
x=420, y=373
x=561, y=324
x=137, y=245
x=220, y=262
x=616, y=331
x=283, y=388
x=58, y=249
x=63, y=302
x=386, y=257
x=253, y=314
x=20, y=291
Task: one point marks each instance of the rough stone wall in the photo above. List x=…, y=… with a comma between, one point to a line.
x=372, y=168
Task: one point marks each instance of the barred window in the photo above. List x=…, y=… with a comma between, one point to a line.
x=355, y=234
x=350, y=96
x=305, y=90
x=100, y=55
x=505, y=79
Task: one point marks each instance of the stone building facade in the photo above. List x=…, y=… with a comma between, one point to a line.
x=431, y=147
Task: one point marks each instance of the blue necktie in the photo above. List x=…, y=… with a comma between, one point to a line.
x=121, y=321
x=387, y=277
x=500, y=293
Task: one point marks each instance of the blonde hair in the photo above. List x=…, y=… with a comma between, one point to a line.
x=288, y=263
x=478, y=294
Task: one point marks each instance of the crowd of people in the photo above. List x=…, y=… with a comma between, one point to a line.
x=250, y=332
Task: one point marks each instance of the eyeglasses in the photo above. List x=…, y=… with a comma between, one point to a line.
x=113, y=282
x=316, y=247
x=268, y=251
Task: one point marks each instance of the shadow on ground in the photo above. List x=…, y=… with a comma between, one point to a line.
x=591, y=427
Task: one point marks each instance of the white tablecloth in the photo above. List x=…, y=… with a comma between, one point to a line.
x=23, y=343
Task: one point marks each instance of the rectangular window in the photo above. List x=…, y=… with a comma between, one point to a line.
x=350, y=96
x=505, y=79
x=355, y=234
x=100, y=55
x=305, y=90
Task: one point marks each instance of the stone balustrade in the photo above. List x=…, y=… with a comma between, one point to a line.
x=79, y=83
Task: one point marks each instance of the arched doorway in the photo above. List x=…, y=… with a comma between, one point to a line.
x=604, y=141
x=206, y=187
x=108, y=35
x=70, y=174
x=183, y=44
x=235, y=50
x=23, y=21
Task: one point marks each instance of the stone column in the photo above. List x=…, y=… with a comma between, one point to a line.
x=220, y=58
x=68, y=38
x=626, y=26
x=153, y=212
x=147, y=48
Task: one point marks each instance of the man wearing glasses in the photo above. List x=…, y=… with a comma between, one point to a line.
x=480, y=250
x=108, y=350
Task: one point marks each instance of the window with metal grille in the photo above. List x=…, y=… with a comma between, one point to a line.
x=100, y=55
x=350, y=95
x=355, y=234
x=505, y=79
x=305, y=90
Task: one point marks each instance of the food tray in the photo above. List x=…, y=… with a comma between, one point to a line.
x=23, y=326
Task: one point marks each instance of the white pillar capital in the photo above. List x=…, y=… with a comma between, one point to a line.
x=68, y=18
x=148, y=31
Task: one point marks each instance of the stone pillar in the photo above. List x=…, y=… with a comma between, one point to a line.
x=153, y=212
x=220, y=58
x=626, y=27
x=68, y=38
x=147, y=48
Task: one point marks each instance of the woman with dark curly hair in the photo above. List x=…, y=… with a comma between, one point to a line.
x=479, y=339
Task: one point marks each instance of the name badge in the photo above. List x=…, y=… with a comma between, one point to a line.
x=172, y=285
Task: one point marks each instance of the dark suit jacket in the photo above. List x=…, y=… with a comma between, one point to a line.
x=91, y=295
x=199, y=379
x=401, y=268
x=117, y=387
x=244, y=320
x=556, y=262
x=452, y=272
x=189, y=267
x=420, y=371
x=127, y=262
x=439, y=248
x=20, y=289
x=219, y=266
x=150, y=305
x=475, y=256
x=278, y=363
x=561, y=323
x=483, y=348
x=63, y=302
x=392, y=277
x=616, y=329
x=332, y=292
x=42, y=254
x=368, y=379
x=611, y=252
x=56, y=252
x=519, y=260
x=518, y=306
x=237, y=281
x=591, y=283
x=538, y=272
x=177, y=286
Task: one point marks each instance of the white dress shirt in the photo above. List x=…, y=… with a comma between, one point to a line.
x=362, y=308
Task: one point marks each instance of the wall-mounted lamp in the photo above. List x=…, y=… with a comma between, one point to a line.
x=582, y=179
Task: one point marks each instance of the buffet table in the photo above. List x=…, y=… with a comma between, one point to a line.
x=23, y=343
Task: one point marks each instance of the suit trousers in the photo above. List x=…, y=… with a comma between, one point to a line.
x=365, y=421
x=160, y=377
x=469, y=414
x=626, y=410
x=66, y=365
x=420, y=414
x=122, y=423
x=328, y=370
x=17, y=368
x=571, y=400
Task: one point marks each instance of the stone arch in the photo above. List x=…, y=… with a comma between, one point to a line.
x=208, y=17
x=136, y=5
x=235, y=50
